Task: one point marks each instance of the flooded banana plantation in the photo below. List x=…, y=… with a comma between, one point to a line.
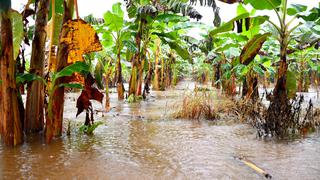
x=160, y=89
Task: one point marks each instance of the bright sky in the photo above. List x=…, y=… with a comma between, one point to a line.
x=227, y=12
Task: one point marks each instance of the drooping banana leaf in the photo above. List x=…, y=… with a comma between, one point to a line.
x=228, y=26
x=17, y=31
x=294, y=9
x=312, y=16
x=181, y=51
x=264, y=4
x=69, y=70
x=254, y=25
x=252, y=48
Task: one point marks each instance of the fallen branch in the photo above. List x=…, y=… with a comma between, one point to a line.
x=254, y=167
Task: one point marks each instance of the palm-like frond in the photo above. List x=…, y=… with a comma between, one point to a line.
x=217, y=19
x=175, y=6
x=93, y=20
x=186, y=9
x=147, y=10
x=212, y=3
x=183, y=7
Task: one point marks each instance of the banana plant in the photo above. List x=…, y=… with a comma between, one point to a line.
x=283, y=11
x=202, y=69
x=303, y=57
x=171, y=29
x=148, y=15
x=78, y=67
x=248, y=27
x=10, y=119
x=222, y=53
x=281, y=116
x=104, y=67
x=116, y=32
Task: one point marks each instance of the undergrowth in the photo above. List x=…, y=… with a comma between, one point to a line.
x=293, y=122
x=89, y=129
x=203, y=105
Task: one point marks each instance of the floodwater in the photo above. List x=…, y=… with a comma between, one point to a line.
x=141, y=141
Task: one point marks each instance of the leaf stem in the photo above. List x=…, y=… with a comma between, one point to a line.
x=277, y=27
x=277, y=13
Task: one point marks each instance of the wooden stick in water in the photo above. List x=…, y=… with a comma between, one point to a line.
x=254, y=167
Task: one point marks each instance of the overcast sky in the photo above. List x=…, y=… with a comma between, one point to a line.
x=227, y=12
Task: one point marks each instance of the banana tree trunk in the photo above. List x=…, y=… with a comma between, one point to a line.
x=156, y=69
x=120, y=87
x=265, y=80
x=107, y=93
x=301, y=76
x=10, y=123
x=307, y=82
x=162, y=75
x=114, y=78
x=231, y=86
x=56, y=101
x=170, y=74
x=217, y=75
x=156, y=85
x=147, y=82
x=175, y=76
x=279, y=110
x=133, y=78
x=168, y=77
x=280, y=90
x=140, y=78
x=250, y=87
x=35, y=99
x=135, y=62
x=244, y=88
x=316, y=82
x=140, y=70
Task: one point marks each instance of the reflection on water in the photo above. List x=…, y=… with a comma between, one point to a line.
x=133, y=145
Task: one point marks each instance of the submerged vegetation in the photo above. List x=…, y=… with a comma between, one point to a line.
x=147, y=45
x=200, y=104
x=299, y=120
x=89, y=129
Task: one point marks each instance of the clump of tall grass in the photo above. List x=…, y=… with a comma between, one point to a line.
x=203, y=104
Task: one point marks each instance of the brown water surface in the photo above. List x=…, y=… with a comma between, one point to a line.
x=140, y=141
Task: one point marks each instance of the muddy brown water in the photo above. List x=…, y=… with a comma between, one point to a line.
x=140, y=141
